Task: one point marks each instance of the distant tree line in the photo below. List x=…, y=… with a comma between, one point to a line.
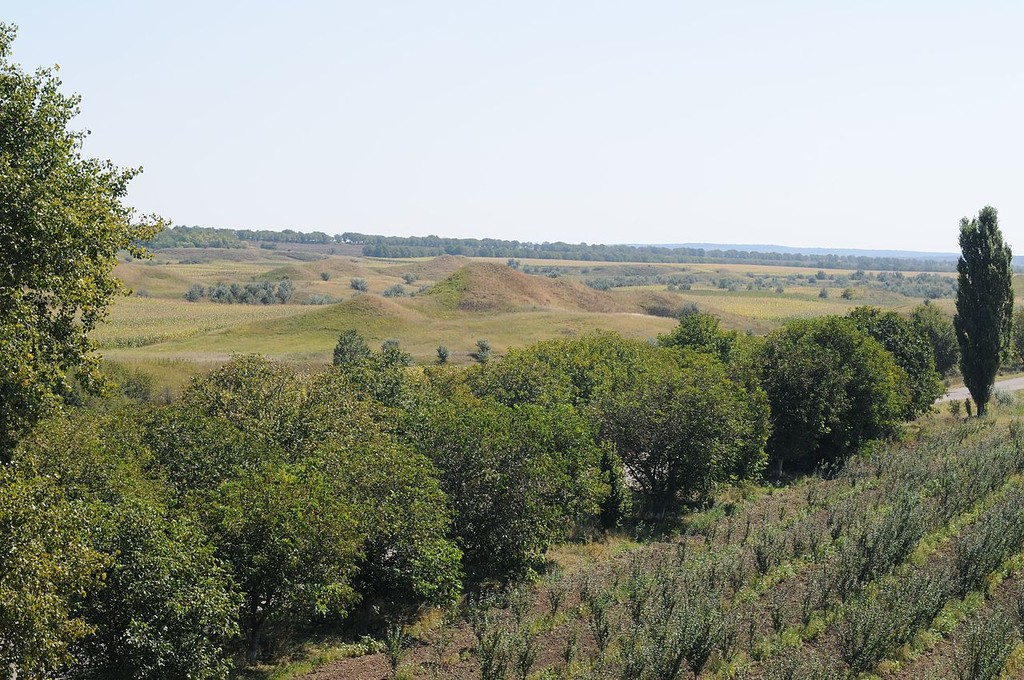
x=432, y=246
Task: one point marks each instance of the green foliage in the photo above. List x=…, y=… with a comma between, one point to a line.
x=292, y=543
x=831, y=388
x=981, y=650
x=519, y=478
x=938, y=328
x=482, y=354
x=168, y=608
x=46, y=563
x=984, y=302
x=1017, y=338
x=442, y=355
x=912, y=351
x=682, y=427
x=700, y=332
x=62, y=225
x=351, y=349
x=359, y=284
x=256, y=293
x=327, y=421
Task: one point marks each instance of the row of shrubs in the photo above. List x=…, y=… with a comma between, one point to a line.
x=705, y=604
x=255, y=293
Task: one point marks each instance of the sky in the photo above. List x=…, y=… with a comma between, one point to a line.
x=822, y=123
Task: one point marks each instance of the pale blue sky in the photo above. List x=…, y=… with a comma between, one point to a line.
x=854, y=124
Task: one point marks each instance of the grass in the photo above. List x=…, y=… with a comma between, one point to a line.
x=462, y=304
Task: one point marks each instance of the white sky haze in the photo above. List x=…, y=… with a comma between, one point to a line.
x=866, y=125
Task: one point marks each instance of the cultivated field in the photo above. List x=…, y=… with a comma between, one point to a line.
x=906, y=563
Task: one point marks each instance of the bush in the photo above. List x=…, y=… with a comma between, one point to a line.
x=395, y=290
x=359, y=284
x=195, y=292
x=483, y=352
x=325, y=276
x=683, y=426
x=909, y=345
x=982, y=648
x=519, y=479
x=831, y=387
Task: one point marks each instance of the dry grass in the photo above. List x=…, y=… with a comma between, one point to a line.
x=468, y=299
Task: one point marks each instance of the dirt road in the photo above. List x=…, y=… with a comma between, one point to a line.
x=1009, y=385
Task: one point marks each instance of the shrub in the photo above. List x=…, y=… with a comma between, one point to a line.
x=912, y=351
x=482, y=354
x=325, y=276
x=980, y=651
x=395, y=290
x=359, y=284
x=195, y=292
x=831, y=388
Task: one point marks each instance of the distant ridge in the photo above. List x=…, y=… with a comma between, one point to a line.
x=843, y=252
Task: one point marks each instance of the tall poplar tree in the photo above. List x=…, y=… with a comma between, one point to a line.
x=984, y=302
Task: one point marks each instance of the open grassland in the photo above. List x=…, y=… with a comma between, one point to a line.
x=905, y=563
x=448, y=300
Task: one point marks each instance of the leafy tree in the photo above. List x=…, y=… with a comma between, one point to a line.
x=408, y=553
x=984, y=302
x=47, y=561
x=700, y=331
x=1017, y=338
x=168, y=609
x=912, y=351
x=831, y=387
x=938, y=328
x=519, y=478
x=284, y=291
x=351, y=349
x=682, y=427
x=258, y=396
x=293, y=546
x=62, y=225
x=199, y=452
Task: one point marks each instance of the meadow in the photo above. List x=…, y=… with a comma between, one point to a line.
x=450, y=301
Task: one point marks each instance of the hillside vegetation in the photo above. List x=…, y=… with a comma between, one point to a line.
x=447, y=300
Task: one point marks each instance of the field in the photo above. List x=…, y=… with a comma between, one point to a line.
x=906, y=563
x=450, y=301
